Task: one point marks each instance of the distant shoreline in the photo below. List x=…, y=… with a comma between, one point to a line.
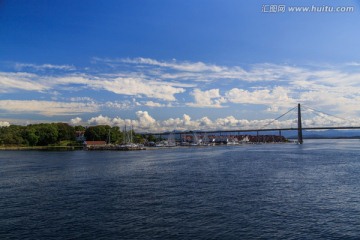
x=73, y=148
x=49, y=148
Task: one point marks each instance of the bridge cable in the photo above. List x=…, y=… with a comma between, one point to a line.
x=278, y=118
x=326, y=114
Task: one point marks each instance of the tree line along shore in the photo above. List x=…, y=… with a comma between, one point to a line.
x=60, y=135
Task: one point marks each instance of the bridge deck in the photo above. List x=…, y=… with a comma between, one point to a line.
x=259, y=130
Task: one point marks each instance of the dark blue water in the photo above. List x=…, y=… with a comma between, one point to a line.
x=271, y=191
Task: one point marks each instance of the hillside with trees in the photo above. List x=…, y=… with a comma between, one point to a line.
x=51, y=134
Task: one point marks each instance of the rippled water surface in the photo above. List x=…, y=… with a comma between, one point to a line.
x=269, y=191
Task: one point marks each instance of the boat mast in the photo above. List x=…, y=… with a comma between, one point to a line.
x=125, y=135
x=131, y=136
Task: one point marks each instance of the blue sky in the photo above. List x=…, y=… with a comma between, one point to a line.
x=168, y=64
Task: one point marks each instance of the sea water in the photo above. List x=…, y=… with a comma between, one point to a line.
x=250, y=191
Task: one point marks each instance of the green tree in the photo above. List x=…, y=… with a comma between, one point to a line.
x=138, y=138
x=79, y=128
x=65, y=132
x=30, y=136
x=11, y=135
x=47, y=133
x=150, y=138
x=97, y=133
x=116, y=136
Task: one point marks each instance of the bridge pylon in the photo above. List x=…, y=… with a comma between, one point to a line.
x=300, y=136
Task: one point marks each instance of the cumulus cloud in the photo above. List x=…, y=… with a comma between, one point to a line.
x=76, y=121
x=210, y=98
x=275, y=96
x=347, y=104
x=100, y=120
x=144, y=122
x=273, y=85
x=183, y=83
x=4, y=124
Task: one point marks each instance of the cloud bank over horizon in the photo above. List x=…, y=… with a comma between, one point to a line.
x=113, y=86
x=144, y=122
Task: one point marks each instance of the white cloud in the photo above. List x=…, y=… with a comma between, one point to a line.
x=199, y=71
x=118, y=105
x=20, y=81
x=130, y=86
x=100, y=120
x=125, y=122
x=4, y=124
x=56, y=81
x=171, y=83
x=82, y=99
x=153, y=104
x=276, y=96
x=57, y=108
x=344, y=103
x=135, y=86
x=356, y=64
x=46, y=66
x=210, y=98
x=122, y=86
x=146, y=123
x=205, y=121
x=47, y=108
x=76, y=121
x=181, y=66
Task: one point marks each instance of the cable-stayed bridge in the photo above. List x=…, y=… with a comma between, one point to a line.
x=295, y=122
